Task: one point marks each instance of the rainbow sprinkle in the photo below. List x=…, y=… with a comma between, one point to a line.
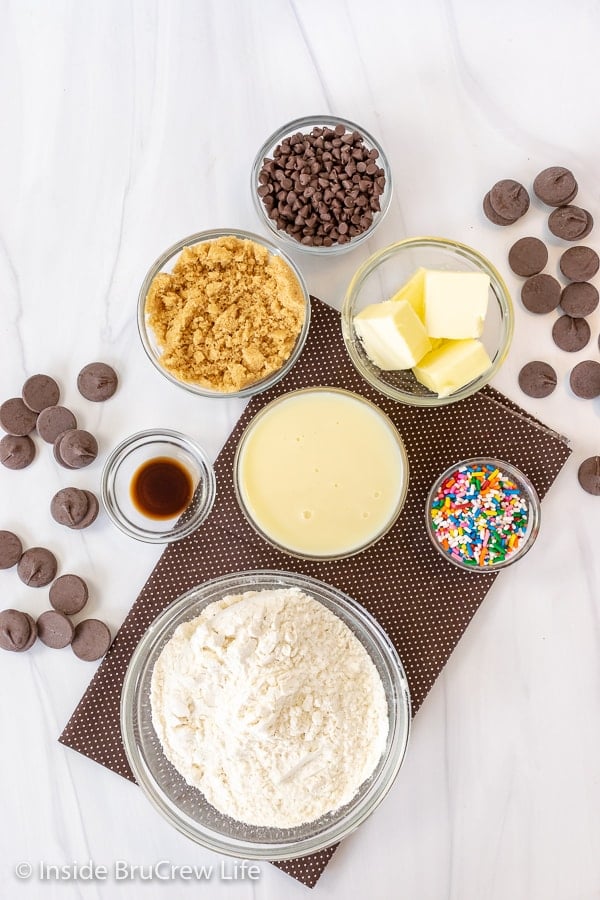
x=479, y=515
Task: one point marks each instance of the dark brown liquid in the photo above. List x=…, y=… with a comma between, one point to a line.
x=161, y=488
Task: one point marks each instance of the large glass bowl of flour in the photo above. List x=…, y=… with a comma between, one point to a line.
x=185, y=806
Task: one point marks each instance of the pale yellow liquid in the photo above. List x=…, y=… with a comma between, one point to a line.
x=322, y=473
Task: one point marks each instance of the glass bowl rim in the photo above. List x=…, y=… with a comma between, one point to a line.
x=463, y=250
x=399, y=701
x=321, y=389
x=202, y=237
x=534, y=512
x=315, y=121
x=141, y=439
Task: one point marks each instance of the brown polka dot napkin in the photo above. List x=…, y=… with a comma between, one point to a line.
x=422, y=601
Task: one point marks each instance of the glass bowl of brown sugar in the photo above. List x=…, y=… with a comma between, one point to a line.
x=321, y=184
x=223, y=313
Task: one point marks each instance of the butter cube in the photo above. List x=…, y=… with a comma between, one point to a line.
x=392, y=334
x=452, y=365
x=455, y=303
x=414, y=292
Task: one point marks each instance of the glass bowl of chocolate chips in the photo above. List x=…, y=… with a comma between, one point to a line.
x=321, y=184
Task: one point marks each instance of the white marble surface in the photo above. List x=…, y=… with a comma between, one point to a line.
x=126, y=125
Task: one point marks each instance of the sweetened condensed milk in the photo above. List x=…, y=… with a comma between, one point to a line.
x=321, y=472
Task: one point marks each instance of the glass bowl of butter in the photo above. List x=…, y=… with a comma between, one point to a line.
x=427, y=321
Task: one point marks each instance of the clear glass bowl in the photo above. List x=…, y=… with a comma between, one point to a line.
x=245, y=502
x=126, y=459
x=384, y=273
x=184, y=806
x=305, y=125
x=165, y=263
x=526, y=489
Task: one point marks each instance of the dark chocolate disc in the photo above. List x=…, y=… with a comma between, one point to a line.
x=537, y=379
x=492, y=215
x=555, y=186
x=11, y=549
x=17, y=630
x=16, y=452
x=97, y=381
x=76, y=448
x=69, y=594
x=16, y=418
x=91, y=639
x=69, y=506
x=579, y=263
x=54, y=420
x=571, y=333
x=509, y=199
x=528, y=256
x=571, y=223
x=585, y=379
x=39, y=392
x=55, y=629
x=589, y=475
x=580, y=298
x=37, y=567
x=541, y=294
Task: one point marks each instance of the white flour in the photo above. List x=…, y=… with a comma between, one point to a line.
x=269, y=705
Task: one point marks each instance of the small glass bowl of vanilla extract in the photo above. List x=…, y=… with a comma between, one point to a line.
x=158, y=486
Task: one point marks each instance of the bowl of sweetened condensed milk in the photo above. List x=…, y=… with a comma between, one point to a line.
x=321, y=473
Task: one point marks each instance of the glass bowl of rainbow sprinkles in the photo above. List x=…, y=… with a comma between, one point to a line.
x=482, y=514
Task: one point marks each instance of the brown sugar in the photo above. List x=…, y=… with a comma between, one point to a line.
x=227, y=316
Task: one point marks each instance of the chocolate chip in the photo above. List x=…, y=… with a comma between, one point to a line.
x=37, y=567
x=16, y=418
x=69, y=506
x=541, y=294
x=579, y=263
x=589, y=475
x=97, y=381
x=55, y=420
x=571, y=333
x=585, y=379
x=537, y=379
x=69, y=594
x=579, y=298
x=17, y=630
x=91, y=640
x=509, y=199
x=76, y=448
x=40, y=391
x=319, y=178
x=571, y=223
x=528, y=256
x=555, y=186
x=11, y=549
x=16, y=452
x=54, y=629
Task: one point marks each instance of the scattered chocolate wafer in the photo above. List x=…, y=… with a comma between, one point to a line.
x=55, y=420
x=54, y=629
x=76, y=448
x=579, y=263
x=541, y=294
x=97, y=381
x=555, y=186
x=69, y=594
x=39, y=392
x=69, y=506
x=91, y=640
x=589, y=475
x=509, y=199
x=11, y=549
x=528, y=256
x=16, y=452
x=571, y=333
x=571, y=223
x=537, y=379
x=16, y=418
x=585, y=379
x=92, y=512
x=18, y=630
x=580, y=298
x=37, y=567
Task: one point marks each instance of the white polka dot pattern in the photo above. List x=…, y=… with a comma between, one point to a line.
x=422, y=601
